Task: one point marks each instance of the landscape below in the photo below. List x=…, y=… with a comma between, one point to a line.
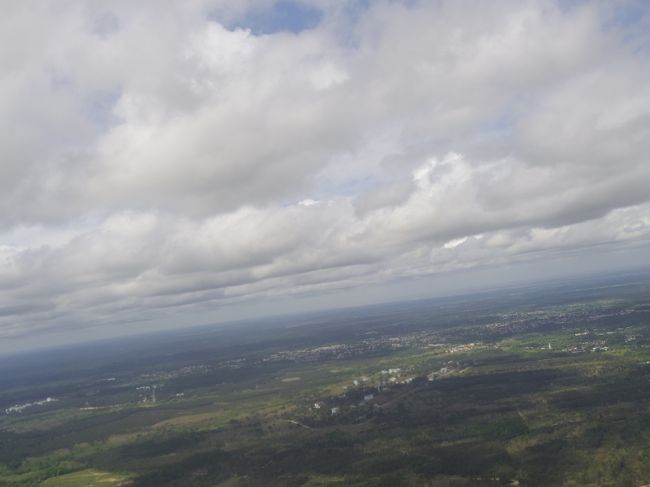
x=544, y=385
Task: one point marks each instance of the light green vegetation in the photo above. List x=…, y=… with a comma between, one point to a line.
x=87, y=478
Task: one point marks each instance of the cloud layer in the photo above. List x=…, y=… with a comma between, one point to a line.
x=159, y=159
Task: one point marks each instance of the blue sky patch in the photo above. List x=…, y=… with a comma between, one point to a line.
x=282, y=16
x=629, y=14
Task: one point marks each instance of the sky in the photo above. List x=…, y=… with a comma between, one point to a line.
x=171, y=163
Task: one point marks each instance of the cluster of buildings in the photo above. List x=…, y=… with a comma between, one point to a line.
x=198, y=369
x=148, y=393
x=437, y=374
x=379, y=383
x=464, y=347
x=588, y=346
x=598, y=341
x=316, y=354
x=363, y=346
x=19, y=408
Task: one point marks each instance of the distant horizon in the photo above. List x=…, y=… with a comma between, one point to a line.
x=548, y=284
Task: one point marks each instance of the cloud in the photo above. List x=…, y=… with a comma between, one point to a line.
x=156, y=160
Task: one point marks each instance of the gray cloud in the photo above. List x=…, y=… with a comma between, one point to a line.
x=155, y=161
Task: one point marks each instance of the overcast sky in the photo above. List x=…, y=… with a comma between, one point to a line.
x=168, y=163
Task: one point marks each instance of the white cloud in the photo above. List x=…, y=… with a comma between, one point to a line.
x=154, y=159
